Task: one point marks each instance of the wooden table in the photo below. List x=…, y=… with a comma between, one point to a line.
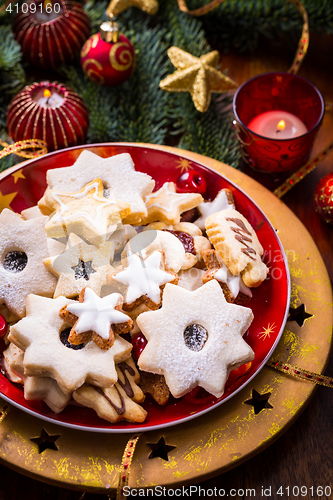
x=303, y=455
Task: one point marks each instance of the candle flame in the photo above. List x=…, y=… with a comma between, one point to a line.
x=47, y=93
x=281, y=125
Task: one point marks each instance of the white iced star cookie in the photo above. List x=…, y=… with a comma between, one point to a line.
x=23, y=246
x=223, y=200
x=86, y=213
x=39, y=336
x=120, y=181
x=195, y=339
x=119, y=402
x=237, y=245
x=167, y=206
x=79, y=266
x=144, y=280
x=95, y=318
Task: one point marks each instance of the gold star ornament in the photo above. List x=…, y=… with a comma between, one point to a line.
x=196, y=75
x=117, y=6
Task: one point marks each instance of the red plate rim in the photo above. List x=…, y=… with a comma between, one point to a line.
x=125, y=427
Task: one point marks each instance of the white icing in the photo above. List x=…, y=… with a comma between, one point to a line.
x=207, y=208
x=234, y=283
x=144, y=277
x=96, y=313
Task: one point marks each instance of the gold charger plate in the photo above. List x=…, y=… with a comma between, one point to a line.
x=226, y=436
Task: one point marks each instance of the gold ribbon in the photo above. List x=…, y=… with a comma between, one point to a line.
x=303, y=43
x=294, y=371
x=21, y=148
x=126, y=465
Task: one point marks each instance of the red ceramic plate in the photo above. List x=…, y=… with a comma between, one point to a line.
x=270, y=302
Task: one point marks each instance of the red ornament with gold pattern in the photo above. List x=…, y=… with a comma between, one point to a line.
x=323, y=197
x=108, y=58
x=51, y=32
x=51, y=112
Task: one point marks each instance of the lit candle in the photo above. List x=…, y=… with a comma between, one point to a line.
x=277, y=125
x=48, y=99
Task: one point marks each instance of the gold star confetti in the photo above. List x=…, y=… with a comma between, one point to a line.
x=196, y=75
x=266, y=333
x=184, y=165
x=117, y=6
x=18, y=175
x=6, y=199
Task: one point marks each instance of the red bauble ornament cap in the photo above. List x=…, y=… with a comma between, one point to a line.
x=51, y=33
x=51, y=112
x=108, y=58
x=323, y=197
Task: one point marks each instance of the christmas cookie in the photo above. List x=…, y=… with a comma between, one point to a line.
x=144, y=280
x=223, y=200
x=120, y=181
x=195, y=339
x=146, y=242
x=119, y=402
x=237, y=245
x=79, y=266
x=42, y=335
x=95, y=318
x=35, y=388
x=155, y=385
x=86, y=213
x=167, y=206
x=232, y=285
x=23, y=247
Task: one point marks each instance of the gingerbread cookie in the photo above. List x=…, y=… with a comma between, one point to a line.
x=95, y=318
x=223, y=200
x=120, y=181
x=155, y=385
x=79, y=266
x=144, y=280
x=119, y=402
x=167, y=206
x=233, y=286
x=23, y=247
x=195, y=339
x=41, y=335
x=237, y=245
x=86, y=213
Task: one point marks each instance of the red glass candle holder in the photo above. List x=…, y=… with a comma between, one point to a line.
x=277, y=92
x=51, y=112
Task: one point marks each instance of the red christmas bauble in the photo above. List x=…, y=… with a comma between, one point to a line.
x=3, y=326
x=108, y=63
x=51, y=32
x=191, y=182
x=51, y=112
x=323, y=197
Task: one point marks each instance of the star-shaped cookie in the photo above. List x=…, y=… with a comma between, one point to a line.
x=166, y=205
x=23, y=246
x=81, y=265
x=144, y=279
x=195, y=339
x=120, y=181
x=222, y=201
x=196, y=75
x=86, y=213
x=38, y=334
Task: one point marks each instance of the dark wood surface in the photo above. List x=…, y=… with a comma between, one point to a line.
x=302, y=456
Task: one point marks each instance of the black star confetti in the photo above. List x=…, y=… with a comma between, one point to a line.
x=259, y=401
x=83, y=270
x=160, y=449
x=46, y=441
x=298, y=314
